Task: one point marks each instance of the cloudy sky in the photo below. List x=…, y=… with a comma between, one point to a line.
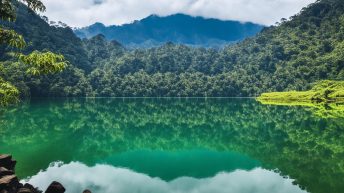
x=79, y=13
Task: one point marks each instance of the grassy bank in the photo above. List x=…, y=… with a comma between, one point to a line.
x=325, y=99
x=323, y=91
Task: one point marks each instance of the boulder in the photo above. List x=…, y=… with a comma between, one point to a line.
x=4, y=191
x=10, y=180
x=7, y=162
x=9, y=183
x=31, y=188
x=5, y=172
x=55, y=187
x=86, y=191
x=24, y=190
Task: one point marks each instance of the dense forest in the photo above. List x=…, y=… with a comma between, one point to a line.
x=289, y=56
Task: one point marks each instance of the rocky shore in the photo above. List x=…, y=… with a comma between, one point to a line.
x=9, y=182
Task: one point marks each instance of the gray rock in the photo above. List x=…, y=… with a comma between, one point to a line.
x=7, y=162
x=24, y=190
x=55, y=187
x=9, y=183
x=5, y=172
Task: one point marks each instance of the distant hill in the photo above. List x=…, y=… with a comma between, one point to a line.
x=179, y=28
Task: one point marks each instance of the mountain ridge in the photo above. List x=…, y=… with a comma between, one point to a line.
x=179, y=28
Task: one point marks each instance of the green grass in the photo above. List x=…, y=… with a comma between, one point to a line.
x=322, y=91
x=325, y=99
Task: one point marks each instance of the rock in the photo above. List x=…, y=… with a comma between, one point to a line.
x=5, y=172
x=31, y=188
x=9, y=183
x=10, y=180
x=7, y=162
x=55, y=187
x=86, y=191
x=24, y=190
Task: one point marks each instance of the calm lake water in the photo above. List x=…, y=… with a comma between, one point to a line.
x=175, y=145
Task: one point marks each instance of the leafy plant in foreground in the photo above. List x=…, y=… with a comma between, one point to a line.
x=37, y=62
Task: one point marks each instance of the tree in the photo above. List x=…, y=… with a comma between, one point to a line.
x=37, y=62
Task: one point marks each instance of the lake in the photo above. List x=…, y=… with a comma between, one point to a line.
x=198, y=145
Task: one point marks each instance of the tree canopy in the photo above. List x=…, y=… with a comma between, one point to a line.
x=37, y=62
x=292, y=55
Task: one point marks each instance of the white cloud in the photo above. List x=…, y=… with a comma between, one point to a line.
x=108, y=179
x=79, y=13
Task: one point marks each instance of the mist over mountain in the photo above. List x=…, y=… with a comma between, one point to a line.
x=179, y=28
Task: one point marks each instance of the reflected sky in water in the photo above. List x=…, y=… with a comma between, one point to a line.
x=77, y=176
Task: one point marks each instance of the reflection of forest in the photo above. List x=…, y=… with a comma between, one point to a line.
x=324, y=109
x=304, y=146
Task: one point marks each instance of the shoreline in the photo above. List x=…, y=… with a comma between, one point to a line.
x=325, y=91
x=10, y=183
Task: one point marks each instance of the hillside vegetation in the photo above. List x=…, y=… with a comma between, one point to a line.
x=292, y=55
x=33, y=63
x=323, y=91
x=325, y=99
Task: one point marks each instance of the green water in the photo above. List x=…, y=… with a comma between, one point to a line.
x=184, y=143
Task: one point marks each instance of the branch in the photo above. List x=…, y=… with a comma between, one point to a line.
x=8, y=11
x=43, y=62
x=35, y=5
x=11, y=38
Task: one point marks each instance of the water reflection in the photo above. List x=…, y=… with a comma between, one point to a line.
x=108, y=179
x=334, y=109
x=168, y=166
x=294, y=140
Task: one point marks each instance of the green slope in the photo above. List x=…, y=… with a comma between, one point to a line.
x=290, y=56
x=323, y=91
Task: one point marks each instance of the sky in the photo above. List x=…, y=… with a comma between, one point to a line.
x=80, y=13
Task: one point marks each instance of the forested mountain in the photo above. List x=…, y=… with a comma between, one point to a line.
x=41, y=36
x=289, y=56
x=179, y=28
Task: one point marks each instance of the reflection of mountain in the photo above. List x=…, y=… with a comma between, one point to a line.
x=108, y=179
x=192, y=163
x=303, y=146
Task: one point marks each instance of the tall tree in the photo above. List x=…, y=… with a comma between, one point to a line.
x=37, y=63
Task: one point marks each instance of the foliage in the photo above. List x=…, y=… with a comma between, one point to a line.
x=8, y=13
x=286, y=57
x=290, y=56
x=43, y=63
x=323, y=91
x=8, y=93
x=37, y=62
x=325, y=99
x=8, y=10
x=11, y=38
